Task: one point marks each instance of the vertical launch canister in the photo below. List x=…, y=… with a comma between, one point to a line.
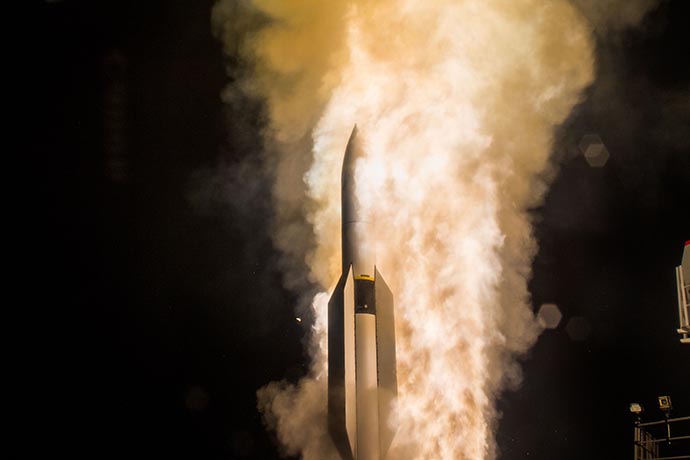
x=362, y=380
x=683, y=283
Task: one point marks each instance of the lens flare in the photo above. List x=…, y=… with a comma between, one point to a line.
x=457, y=102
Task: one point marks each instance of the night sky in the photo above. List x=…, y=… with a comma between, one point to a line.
x=167, y=311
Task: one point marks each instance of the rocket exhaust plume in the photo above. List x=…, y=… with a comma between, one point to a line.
x=456, y=102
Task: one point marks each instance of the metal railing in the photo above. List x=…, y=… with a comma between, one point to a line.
x=647, y=447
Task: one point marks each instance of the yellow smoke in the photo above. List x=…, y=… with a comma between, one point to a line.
x=457, y=102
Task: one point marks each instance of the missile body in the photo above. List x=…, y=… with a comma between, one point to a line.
x=362, y=381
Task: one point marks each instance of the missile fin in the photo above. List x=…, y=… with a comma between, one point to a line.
x=388, y=378
x=341, y=367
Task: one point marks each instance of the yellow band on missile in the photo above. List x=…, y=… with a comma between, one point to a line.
x=364, y=277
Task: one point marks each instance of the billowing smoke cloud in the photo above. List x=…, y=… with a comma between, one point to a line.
x=457, y=102
x=612, y=16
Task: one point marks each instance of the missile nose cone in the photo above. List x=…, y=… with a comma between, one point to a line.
x=350, y=201
x=352, y=152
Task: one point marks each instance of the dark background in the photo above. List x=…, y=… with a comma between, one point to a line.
x=166, y=309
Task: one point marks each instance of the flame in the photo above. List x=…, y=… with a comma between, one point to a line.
x=457, y=102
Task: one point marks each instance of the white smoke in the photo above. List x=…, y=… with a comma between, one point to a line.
x=457, y=102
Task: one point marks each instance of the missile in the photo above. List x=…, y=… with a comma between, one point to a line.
x=362, y=380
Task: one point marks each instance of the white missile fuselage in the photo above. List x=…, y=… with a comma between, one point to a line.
x=362, y=380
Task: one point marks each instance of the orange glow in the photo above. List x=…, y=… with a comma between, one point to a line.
x=456, y=102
